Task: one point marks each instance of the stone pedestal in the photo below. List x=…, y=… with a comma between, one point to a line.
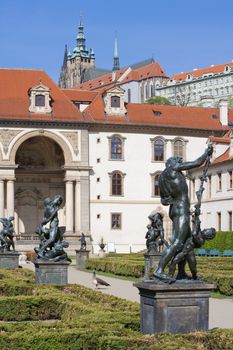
x=9, y=260
x=102, y=253
x=180, y=307
x=151, y=261
x=81, y=257
x=51, y=272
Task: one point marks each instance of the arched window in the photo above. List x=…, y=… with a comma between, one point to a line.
x=156, y=191
x=115, y=101
x=39, y=100
x=159, y=150
x=116, y=148
x=116, y=184
x=179, y=148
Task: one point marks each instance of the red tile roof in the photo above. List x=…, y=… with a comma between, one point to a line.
x=200, y=72
x=14, y=96
x=223, y=140
x=99, y=82
x=169, y=116
x=145, y=72
x=80, y=95
x=138, y=74
x=225, y=157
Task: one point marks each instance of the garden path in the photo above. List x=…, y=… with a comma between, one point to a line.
x=221, y=310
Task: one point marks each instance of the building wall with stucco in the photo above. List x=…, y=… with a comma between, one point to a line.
x=138, y=169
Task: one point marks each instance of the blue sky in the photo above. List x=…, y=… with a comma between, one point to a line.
x=180, y=34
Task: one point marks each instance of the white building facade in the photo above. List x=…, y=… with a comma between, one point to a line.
x=200, y=87
x=217, y=203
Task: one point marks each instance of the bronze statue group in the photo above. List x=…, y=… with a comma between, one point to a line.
x=174, y=193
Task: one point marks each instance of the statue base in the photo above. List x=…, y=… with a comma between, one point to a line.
x=81, y=257
x=180, y=307
x=51, y=272
x=151, y=261
x=9, y=260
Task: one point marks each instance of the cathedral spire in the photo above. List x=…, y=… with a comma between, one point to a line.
x=81, y=37
x=116, y=61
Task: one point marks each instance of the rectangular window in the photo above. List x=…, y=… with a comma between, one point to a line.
x=219, y=219
x=39, y=100
x=219, y=179
x=230, y=220
x=230, y=179
x=116, y=221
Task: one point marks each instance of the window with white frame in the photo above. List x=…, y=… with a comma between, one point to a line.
x=116, y=143
x=219, y=221
x=155, y=184
x=230, y=179
x=116, y=221
x=179, y=148
x=219, y=182
x=230, y=220
x=116, y=183
x=158, y=150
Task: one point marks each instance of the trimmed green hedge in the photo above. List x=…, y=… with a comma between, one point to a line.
x=218, y=270
x=74, y=317
x=222, y=241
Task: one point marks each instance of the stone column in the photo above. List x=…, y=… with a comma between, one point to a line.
x=69, y=206
x=10, y=198
x=16, y=224
x=85, y=204
x=77, y=206
x=2, y=196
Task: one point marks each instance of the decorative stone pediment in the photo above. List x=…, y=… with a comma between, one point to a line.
x=40, y=99
x=114, y=101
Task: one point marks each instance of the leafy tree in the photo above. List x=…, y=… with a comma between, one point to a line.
x=158, y=100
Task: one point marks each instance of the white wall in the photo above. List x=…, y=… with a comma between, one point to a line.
x=220, y=200
x=137, y=202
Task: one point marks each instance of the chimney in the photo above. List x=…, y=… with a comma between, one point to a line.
x=113, y=75
x=223, y=111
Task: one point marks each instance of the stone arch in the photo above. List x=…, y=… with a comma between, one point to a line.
x=39, y=174
x=43, y=133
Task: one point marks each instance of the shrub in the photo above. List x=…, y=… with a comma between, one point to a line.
x=80, y=318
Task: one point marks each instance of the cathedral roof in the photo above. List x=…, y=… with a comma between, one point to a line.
x=93, y=73
x=15, y=100
x=125, y=75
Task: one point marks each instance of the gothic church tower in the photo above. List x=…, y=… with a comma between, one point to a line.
x=76, y=64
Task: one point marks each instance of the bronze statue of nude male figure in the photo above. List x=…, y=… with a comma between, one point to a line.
x=174, y=192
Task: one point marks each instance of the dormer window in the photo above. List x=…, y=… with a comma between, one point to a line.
x=40, y=99
x=227, y=69
x=114, y=101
